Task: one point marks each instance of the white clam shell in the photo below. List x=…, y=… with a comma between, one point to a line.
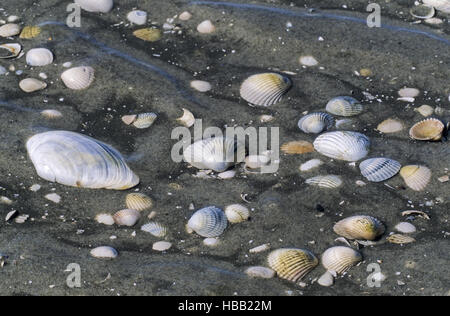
x=10, y=29
x=39, y=57
x=326, y=279
x=308, y=61
x=327, y=181
x=237, y=213
x=77, y=160
x=78, y=78
x=184, y=16
x=344, y=106
x=316, y=122
x=161, y=245
x=102, y=6
x=208, y=222
x=137, y=17
x=155, y=229
x=379, y=169
x=104, y=218
x=31, y=85
x=408, y=92
x=10, y=50
x=440, y=5
x=340, y=259
x=260, y=272
x=264, y=89
x=104, y=252
x=343, y=145
x=206, y=27
x=390, y=126
x=405, y=227
x=127, y=217
x=201, y=86
x=310, y=164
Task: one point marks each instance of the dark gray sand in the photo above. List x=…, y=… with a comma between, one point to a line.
x=134, y=76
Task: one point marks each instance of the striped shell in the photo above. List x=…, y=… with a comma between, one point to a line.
x=39, y=57
x=297, y=147
x=51, y=114
x=143, y=120
x=328, y=181
x=9, y=29
x=359, y=227
x=155, y=229
x=340, y=259
x=400, y=239
x=208, y=222
x=264, y=89
x=148, y=34
x=29, y=32
x=127, y=217
x=316, y=122
x=379, y=169
x=138, y=201
x=416, y=177
x=77, y=160
x=428, y=129
x=102, y=6
x=343, y=145
x=216, y=153
x=78, y=78
x=291, y=263
x=10, y=50
x=237, y=213
x=390, y=126
x=31, y=85
x=344, y=106
x=104, y=252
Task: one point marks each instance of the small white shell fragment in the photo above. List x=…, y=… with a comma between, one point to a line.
x=406, y=99
x=261, y=248
x=10, y=215
x=408, y=92
x=211, y=241
x=51, y=114
x=104, y=218
x=67, y=64
x=55, y=198
x=310, y=164
x=405, y=227
x=3, y=70
x=185, y=16
x=425, y=110
x=422, y=11
x=102, y=6
x=327, y=181
x=104, y=252
x=137, y=17
x=308, y=61
x=360, y=183
x=256, y=161
x=161, y=245
x=5, y=200
x=35, y=187
x=10, y=29
x=12, y=18
x=30, y=85
x=443, y=179
x=227, y=174
x=326, y=279
x=265, y=118
x=206, y=27
x=21, y=218
x=260, y=272
x=434, y=21
x=201, y=86
x=187, y=119
x=39, y=57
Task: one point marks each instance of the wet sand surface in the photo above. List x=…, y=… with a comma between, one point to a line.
x=134, y=76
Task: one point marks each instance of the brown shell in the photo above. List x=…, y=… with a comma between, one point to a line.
x=29, y=32
x=148, y=34
x=428, y=129
x=297, y=147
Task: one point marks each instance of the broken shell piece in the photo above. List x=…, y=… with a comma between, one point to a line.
x=328, y=181
x=297, y=147
x=422, y=11
x=408, y=92
x=308, y=61
x=11, y=215
x=265, y=118
x=127, y=217
x=137, y=17
x=31, y=85
x=5, y=200
x=29, y=32
x=260, y=272
x=425, y=110
x=310, y=164
x=104, y=252
x=261, y=248
x=405, y=228
x=187, y=119
x=148, y=34
x=211, y=241
x=227, y=174
x=55, y=198
x=9, y=50
x=21, y=218
x=104, y=218
x=51, y=114
x=414, y=213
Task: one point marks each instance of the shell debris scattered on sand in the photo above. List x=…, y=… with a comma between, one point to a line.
x=264, y=89
x=291, y=263
x=297, y=147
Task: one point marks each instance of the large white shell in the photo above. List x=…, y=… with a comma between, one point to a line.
x=379, y=169
x=10, y=50
x=340, y=259
x=328, y=181
x=208, y=222
x=343, y=145
x=216, y=153
x=31, y=85
x=78, y=78
x=104, y=252
x=39, y=57
x=316, y=122
x=77, y=160
x=344, y=106
x=137, y=17
x=102, y=6
x=10, y=29
x=264, y=89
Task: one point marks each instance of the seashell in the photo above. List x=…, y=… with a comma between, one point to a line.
x=106, y=219
x=390, y=126
x=2, y=69
x=265, y=89
x=256, y=161
x=340, y=259
x=148, y=34
x=9, y=29
x=405, y=227
x=138, y=201
x=137, y=17
x=10, y=50
x=21, y=219
x=428, y=129
x=227, y=174
x=365, y=72
x=55, y=198
x=35, y=187
x=13, y=18
x=208, y=222
x=39, y=57
x=10, y=215
x=425, y=110
x=343, y=145
x=187, y=119
x=359, y=227
x=344, y=106
x=316, y=122
x=310, y=164
x=51, y=114
x=408, y=92
x=185, y=16
x=326, y=279
x=260, y=272
x=292, y=264
x=161, y=245
x=260, y=248
x=414, y=213
x=141, y=121
x=156, y=229
x=379, y=169
x=202, y=86
x=265, y=118
x=78, y=78
x=206, y=27
x=406, y=99
x=344, y=123
x=237, y=213
x=31, y=85
x=29, y=32
x=77, y=160
x=440, y=5
x=416, y=177
x=104, y=252
x=400, y=239
x=102, y=6
x=217, y=153
x=5, y=200
x=328, y=181
x=434, y=21
x=297, y=147
x=422, y=11
x=211, y=242
x=308, y=61
x=127, y=217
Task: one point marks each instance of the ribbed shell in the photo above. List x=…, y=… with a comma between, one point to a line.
x=216, y=153
x=155, y=229
x=127, y=217
x=9, y=50
x=29, y=32
x=344, y=106
x=428, y=129
x=291, y=263
x=138, y=201
x=39, y=57
x=327, y=181
x=208, y=222
x=102, y=6
x=400, y=239
x=78, y=78
x=359, y=227
x=264, y=89
x=379, y=169
x=340, y=259
x=77, y=160
x=143, y=120
x=297, y=147
x=416, y=177
x=316, y=122
x=343, y=145
x=237, y=213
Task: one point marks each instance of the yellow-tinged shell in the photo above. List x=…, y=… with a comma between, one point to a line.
x=359, y=227
x=400, y=239
x=237, y=213
x=264, y=89
x=428, y=129
x=390, y=126
x=340, y=259
x=148, y=34
x=29, y=32
x=415, y=176
x=139, y=202
x=297, y=147
x=127, y=217
x=291, y=263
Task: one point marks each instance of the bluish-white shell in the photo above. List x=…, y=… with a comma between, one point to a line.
x=208, y=222
x=155, y=229
x=78, y=78
x=379, y=169
x=344, y=106
x=316, y=122
x=104, y=252
x=343, y=145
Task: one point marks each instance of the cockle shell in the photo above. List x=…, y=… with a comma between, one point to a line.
x=428, y=129
x=137, y=17
x=416, y=177
x=344, y=106
x=10, y=50
x=184, y=16
x=265, y=89
x=155, y=229
x=405, y=227
x=400, y=239
x=77, y=160
x=340, y=259
x=310, y=164
x=359, y=227
x=51, y=114
x=379, y=169
x=237, y=213
x=104, y=218
x=78, y=78
x=31, y=85
x=206, y=27
x=102, y=6
x=216, y=153
x=29, y=32
x=316, y=122
x=141, y=121
x=39, y=57
x=328, y=181
x=390, y=126
x=297, y=147
x=127, y=217
x=148, y=34
x=138, y=201
x=260, y=272
x=187, y=119
x=425, y=110
x=208, y=222
x=10, y=29
x=440, y=5
x=104, y=252
x=201, y=86
x=343, y=145
x=291, y=263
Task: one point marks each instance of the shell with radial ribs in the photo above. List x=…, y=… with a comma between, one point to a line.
x=138, y=201
x=78, y=78
x=31, y=85
x=379, y=169
x=237, y=213
x=340, y=259
x=291, y=263
x=390, y=126
x=10, y=29
x=415, y=176
x=127, y=217
x=343, y=145
x=51, y=114
x=77, y=160
x=316, y=122
x=142, y=120
x=400, y=239
x=10, y=50
x=428, y=129
x=209, y=221
x=39, y=57
x=344, y=106
x=29, y=32
x=327, y=181
x=155, y=229
x=359, y=227
x=265, y=89
x=102, y=6
x=297, y=147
